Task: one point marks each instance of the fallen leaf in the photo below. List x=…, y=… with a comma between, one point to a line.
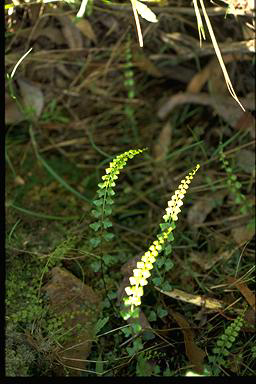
x=142, y=62
x=246, y=160
x=52, y=33
x=250, y=321
x=206, y=262
x=163, y=142
x=70, y=296
x=13, y=114
x=31, y=96
x=85, y=27
x=19, y=180
x=246, y=123
x=226, y=106
x=209, y=72
x=199, y=211
x=70, y=32
x=194, y=353
x=243, y=234
x=245, y=291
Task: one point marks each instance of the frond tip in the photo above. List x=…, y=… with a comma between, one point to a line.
x=176, y=201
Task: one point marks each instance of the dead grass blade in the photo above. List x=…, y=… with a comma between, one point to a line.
x=219, y=56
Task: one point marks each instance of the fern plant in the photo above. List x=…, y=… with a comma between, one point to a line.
x=233, y=184
x=142, y=273
x=103, y=209
x=103, y=204
x=129, y=85
x=225, y=343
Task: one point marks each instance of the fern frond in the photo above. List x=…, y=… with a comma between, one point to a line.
x=142, y=272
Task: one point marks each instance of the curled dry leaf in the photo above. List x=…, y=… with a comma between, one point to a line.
x=70, y=296
x=247, y=123
x=194, y=353
x=245, y=291
x=226, y=107
x=246, y=160
x=30, y=98
x=85, y=27
x=163, y=143
x=13, y=114
x=70, y=32
x=206, y=262
x=202, y=207
x=145, y=64
x=243, y=234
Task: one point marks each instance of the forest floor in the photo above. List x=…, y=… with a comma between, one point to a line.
x=85, y=93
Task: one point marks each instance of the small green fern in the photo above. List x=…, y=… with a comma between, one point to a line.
x=233, y=185
x=224, y=344
x=142, y=272
x=130, y=86
x=103, y=204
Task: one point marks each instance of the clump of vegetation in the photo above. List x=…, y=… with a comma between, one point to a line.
x=101, y=87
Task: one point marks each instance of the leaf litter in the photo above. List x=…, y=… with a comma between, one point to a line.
x=79, y=64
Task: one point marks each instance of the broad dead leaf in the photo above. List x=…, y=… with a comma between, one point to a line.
x=30, y=98
x=202, y=207
x=13, y=114
x=224, y=106
x=246, y=160
x=206, y=262
x=245, y=291
x=70, y=296
x=70, y=32
x=145, y=64
x=243, y=234
x=85, y=27
x=52, y=33
x=246, y=122
x=163, y=143
x=194, y=353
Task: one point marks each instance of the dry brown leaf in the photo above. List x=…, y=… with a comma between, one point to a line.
x=245, y=291
x=247, y=123
x=194, y=353
x=13, y=114
x=163, y=143
x=31, y=96
x=85, y=27
x=142, y=62
x=199, y=211
x=250, y=321
x=52, y=33
x=70, y=32
x=226, y=106
x=203, y=206
x=212, y=73
x=242, y=234
x=206, y=262
x=246, y=160
x=69, y=295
